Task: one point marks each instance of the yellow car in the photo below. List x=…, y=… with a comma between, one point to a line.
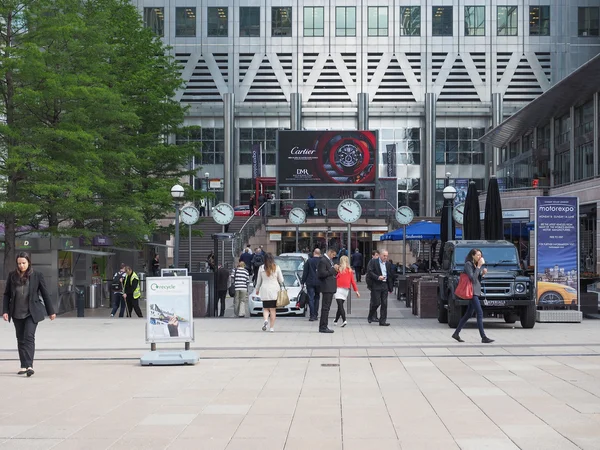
x=555, y=294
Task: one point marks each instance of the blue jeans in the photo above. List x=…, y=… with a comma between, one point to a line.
x=118, y=299
x=313, y=300
x=474, y=306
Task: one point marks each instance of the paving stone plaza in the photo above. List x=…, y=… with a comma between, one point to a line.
x=407, y=386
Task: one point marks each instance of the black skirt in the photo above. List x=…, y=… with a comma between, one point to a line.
x=269, y=303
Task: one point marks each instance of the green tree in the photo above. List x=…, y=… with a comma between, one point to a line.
x=87, y=99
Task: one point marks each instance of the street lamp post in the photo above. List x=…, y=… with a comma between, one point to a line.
x=177, y=192
x=449, y=193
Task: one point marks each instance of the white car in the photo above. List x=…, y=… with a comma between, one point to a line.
x=292, y=262
x=292, y=284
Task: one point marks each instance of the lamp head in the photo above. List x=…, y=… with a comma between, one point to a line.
x=177, y=191
x=449, y=192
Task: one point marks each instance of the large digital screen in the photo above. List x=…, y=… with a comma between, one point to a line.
x=326, y=157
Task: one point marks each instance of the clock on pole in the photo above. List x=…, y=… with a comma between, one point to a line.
x=349, y=210
x=223, y=213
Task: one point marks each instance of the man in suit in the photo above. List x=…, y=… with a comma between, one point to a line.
x=357, y=262
x=310, y=279
x=327, y=271
x=381, y=275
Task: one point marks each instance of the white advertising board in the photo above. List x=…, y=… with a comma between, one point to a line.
x=169, y=309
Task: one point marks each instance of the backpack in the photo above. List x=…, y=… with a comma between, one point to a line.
x=115, y=284
x=258, y=260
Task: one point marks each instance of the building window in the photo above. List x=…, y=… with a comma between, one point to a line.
x=212, y=150
x=562, y=167
x=185, y=22
x=266, y=137
x=217, y=25
x=539, y=21
x=584, y=119
x=474, y=20
x=562, y=130
x=441, y=24
x=154, y=18
x=281, y=21
x=587, y=21
x=345, y=21
x=250, y=21
x=584, y=161
x=507, y=21
x=459, y=146
x=314, y=21
x=410, y=21
x=378, y=21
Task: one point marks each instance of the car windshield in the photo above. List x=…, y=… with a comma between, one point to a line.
x=290, y=280
x=289, y=264
x=494, y=256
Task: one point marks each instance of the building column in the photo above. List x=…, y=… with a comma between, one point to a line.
x=551, y=166
x=363, y=111
x=497, y=117
x=572, y=145
x=229, y=130
x=427, y=192
x=296, y=111
x=596, y=134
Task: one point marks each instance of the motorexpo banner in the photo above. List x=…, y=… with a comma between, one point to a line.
x=557, y=251
x=326, y=157
x=169, y=309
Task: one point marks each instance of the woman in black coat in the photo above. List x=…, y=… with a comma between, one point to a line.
x=22, y=304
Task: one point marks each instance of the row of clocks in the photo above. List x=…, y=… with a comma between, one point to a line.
x=349, y=211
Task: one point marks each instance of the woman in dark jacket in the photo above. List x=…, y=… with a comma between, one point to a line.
x=474, y=270
x=22, y=304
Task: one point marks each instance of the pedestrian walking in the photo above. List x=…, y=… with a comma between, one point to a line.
x=155, y=266
x=380, y=273
x=246, y=258
x=268, y=284
x=327, y=272
x=132, y=291
x=345, y=281
x=475, y=272
x=312, y=283
x=210, y=261
x=241, y=280
x=258, y=260
x=116, y=287
x=202, y=210
x=21, y=304
x=357, y=263
x=222, y=285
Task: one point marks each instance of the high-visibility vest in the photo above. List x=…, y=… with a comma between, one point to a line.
x=138, y=291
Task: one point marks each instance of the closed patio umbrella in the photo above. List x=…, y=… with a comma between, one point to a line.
x=493, y=228
x=472, y=223
x=444, y=230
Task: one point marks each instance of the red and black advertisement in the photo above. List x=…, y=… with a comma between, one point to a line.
x=327, y=157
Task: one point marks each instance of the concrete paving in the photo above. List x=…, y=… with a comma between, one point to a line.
x=407, y=386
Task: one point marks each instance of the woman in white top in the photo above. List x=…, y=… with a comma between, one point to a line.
x=268, y=284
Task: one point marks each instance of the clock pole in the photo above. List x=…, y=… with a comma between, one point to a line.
x=189, y=248
x=176, y=252
x=404, y=247
x=297, y=231
x=349, y=254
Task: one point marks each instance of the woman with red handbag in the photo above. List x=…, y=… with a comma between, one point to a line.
x=475, y=272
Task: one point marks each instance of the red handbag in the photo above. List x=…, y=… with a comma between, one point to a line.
x=464, y=289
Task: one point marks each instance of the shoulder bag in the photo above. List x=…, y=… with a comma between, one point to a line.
x=464, y=289
x=232, y=285
x=282, y=297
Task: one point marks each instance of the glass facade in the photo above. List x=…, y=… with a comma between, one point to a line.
x=539, y=20
x=265, y=136
x=212, y=147
x=441, y=21
x=588, y=21
x=474, y=20
x=314, y=21
x=377, y=20
x=185, y=22
x=154, y=18
x=217, y=25
x=459, y=146
x=281, y=21
x=508, y=24
x=250, y=21
x=345, y=21
x=410, y=21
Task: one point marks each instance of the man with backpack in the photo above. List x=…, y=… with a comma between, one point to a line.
x=258, y=259
x=116, y=288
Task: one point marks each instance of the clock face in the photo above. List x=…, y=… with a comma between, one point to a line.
x=189, y=215
x=404, y=215
x=297, y=216
x=223, y=213
x=458, y=213
x=349, y=210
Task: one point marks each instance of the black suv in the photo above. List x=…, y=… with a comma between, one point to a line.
x=505, y=289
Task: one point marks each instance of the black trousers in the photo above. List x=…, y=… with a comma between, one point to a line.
x=25, y=329
x=358, y=272
x=133, y=304
x=340, y=311
x=327, y=298
x=378, y=298
x=222, y=295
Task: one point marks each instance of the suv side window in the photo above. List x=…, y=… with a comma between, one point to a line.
x=448, y=255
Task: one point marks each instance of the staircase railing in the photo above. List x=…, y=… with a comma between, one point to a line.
x=254, y=222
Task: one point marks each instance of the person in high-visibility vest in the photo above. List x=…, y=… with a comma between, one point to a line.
x=132, y=292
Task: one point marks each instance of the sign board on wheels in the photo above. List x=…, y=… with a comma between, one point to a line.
x=169, y=310
x=557, y=251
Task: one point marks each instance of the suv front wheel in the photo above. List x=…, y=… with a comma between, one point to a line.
x=527, y=316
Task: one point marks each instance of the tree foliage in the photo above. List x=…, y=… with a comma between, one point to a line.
x=89, y=114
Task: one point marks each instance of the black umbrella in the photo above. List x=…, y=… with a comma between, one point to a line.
x=472, y=220
x=444, y=230
x=493, y=228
